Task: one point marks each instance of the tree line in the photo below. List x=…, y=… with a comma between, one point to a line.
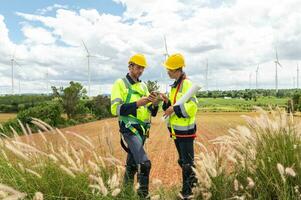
x=64, y=107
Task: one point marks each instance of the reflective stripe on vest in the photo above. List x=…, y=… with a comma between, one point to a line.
x=182, y=128
x=117, y=100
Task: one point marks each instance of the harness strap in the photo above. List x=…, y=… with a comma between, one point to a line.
x=177, y=90
x=128, y=120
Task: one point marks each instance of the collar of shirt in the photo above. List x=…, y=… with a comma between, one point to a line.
x=177, y=82
x=131, y=80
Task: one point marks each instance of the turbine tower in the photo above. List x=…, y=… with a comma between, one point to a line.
x=47, y=80
x=276, y=69
x=89, y=72
x=257, y=70
x=166, y=54
x=297, y=76
x=13, y=63
x=19, y=77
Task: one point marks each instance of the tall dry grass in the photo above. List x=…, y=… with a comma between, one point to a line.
x=261, y=160
x=47, y=169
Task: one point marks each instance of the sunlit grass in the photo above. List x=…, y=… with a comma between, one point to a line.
x=7, y=116
x=258, y=161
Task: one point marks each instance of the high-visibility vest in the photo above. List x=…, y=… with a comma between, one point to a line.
x=125, y=92
x=181, y=127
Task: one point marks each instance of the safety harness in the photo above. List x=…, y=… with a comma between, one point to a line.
x=129, y=121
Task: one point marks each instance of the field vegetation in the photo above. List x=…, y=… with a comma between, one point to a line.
x=259, y=159
x=71, y=102
x=240, y=104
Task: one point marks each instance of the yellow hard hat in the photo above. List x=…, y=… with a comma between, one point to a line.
x=174, y=61
x=138, y=59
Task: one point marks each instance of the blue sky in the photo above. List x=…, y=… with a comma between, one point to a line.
x=9, y=8
x=233, y=35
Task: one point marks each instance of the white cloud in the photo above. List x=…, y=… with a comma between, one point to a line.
x=51, y=8
x=234, y=35
x=3, y=31
x=6, y=46
x=37, y=35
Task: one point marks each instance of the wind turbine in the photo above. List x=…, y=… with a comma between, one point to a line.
x=276, y=68
x=47, y=80
x=297, y=76
x=13, y=62
x=257, y=76
x=166, y=54
x=19, y=78
x=89, y=73
x=166, y=51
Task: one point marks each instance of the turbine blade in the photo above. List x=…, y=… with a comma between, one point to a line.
x=279, y=63
x=100, y=57
x=17, y=63
x=85, y=47
x=276, y=55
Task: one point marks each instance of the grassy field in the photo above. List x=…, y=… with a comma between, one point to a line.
x=239, y=105
x=102, y=137
x=79, y=162
x=105, y=136
x=6, y=116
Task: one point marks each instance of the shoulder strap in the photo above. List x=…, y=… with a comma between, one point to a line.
x=126, y=83
x=128, y=86
x=131, y=91
x=178, y=87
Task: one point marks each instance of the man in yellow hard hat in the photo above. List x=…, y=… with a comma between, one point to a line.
x=181, y=120
x=134, y=106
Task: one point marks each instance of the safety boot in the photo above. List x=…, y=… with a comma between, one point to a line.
x=143, y=179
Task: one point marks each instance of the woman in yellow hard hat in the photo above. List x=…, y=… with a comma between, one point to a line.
x=181, y=122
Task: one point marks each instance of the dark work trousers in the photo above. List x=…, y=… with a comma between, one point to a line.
x=186, y=161
x=137, y=161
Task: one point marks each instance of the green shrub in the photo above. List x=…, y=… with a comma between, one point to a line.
x=100, y=106
x=13, y=103
x=80, y=110
x=5, y=108
x=50, y=112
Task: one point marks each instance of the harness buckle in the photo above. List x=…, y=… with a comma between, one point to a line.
x=147, y=133
x=127, y=125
